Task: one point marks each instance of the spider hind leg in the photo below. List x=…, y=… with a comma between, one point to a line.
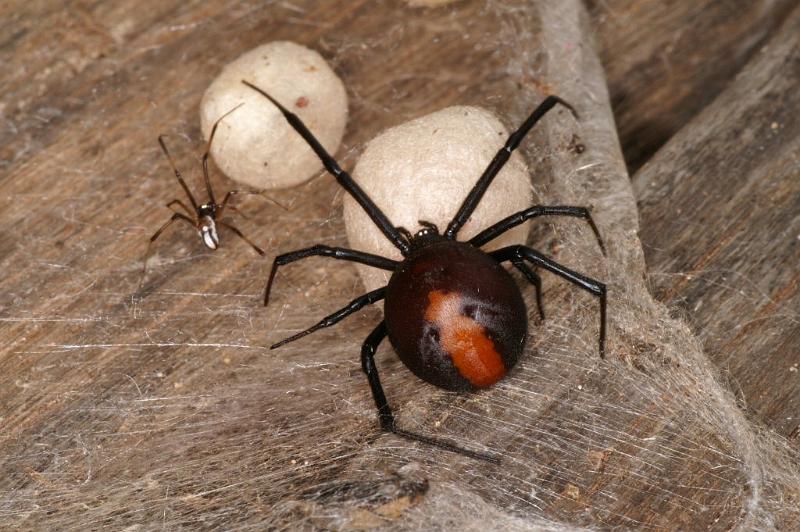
x=385, y=414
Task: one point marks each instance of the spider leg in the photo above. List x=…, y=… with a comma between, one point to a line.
x=477, y=192
x=535, y=280
x=235, y=209
x=225, y=201
x=177, y=172
x=327, y=251
x=492, y=232
x=175, y=216
x=224, y=205
x=590, y=285
x=344, y=179
x=240, y=235
x=285, y=208
x=208, y=150
x=354, y=306
x=182, y=204
x=385, y=414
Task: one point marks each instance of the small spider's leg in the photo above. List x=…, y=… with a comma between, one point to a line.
x=238, y=211
x=208, y=150
x=222, y=206
x=235, y=209
x=590, y=285
x=175, y=216
x=326, y=251
x=535, y=280
x=477, y=192
x=284, y=207
x=490, y=233
x=344, y=179
x=385, y=414
x=354, y=306
x=240, y=235
x=177, y=172
x=182, y=205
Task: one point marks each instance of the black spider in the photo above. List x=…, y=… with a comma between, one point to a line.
x=453, y=314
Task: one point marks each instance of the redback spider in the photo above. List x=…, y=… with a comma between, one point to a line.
x=452, y=313
x=204, y=218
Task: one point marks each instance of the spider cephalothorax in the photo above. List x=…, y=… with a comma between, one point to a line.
x=427, y=233
x=454, y=315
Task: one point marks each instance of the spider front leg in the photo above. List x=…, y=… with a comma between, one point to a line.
x=342, y=177
x=592, y=286
x=209, y=190
x=181, y=205
x=492, y=232
x=500, y=159
x=385, y=414
x=327, y=251
x=354, y=306
x=177, y=173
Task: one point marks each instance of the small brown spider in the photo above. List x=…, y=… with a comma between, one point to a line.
x=203, y=217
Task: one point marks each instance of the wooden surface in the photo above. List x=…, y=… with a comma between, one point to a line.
x=156, y=404
x=666, y=60
x=720, y=209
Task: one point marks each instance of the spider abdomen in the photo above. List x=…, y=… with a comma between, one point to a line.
x=455, y=316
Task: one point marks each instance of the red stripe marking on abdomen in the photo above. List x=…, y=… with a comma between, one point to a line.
x=473, y=353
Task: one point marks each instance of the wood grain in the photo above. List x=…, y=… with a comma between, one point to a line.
x=666, y=60
x=720, y=208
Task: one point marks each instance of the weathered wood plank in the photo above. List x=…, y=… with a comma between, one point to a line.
x=720, y=207
x=666, y=60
